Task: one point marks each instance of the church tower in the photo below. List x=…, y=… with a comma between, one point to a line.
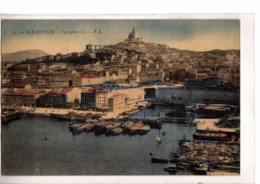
x=133, y=32
x=131, y=35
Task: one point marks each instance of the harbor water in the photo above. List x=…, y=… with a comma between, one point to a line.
x=44, y=146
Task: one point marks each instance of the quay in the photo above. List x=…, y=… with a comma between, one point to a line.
x=10, y=115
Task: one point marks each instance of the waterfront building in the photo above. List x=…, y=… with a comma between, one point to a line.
x=21, y=98
x=117, y=103
x=132, y=93
x=60, y=98
x=189, y=95
x=95, y=99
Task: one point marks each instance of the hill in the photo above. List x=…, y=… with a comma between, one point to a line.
x=22, y=55
x=160, y=52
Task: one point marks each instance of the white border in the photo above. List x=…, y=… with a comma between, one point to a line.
x=247, y=108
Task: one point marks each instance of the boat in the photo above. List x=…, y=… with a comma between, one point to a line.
x=144, y=129
x=64, y=117
x=159, y=160
x=117, y=131
x=135, y=127
x=82, y=127
x=101, y=127
x=171, y=168
x=158, y=139
x=111, y=127
x=90, y=127
x=200, y=171
x=190, y=108
x=126, y=126
x=74, y=124
x=212, y=110
x=213, y=136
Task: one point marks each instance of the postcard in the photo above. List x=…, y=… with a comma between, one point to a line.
x=144, y=100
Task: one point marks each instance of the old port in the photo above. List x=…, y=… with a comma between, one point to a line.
x=197, y=145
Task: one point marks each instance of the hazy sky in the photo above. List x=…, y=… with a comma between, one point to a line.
x=198, y=35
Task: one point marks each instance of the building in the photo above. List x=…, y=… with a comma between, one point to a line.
x=152, y=75
x=21, y=98
x=22, y=85
x=190, y=96
x=133, y=93
x=231, y=75
x=131, y=35
x=60, y=98
x=211, y=82
x=117, y=103
x=95, y=99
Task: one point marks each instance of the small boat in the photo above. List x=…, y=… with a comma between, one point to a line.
x=47, y=138
x=111, y=127
x=74, y=124
x=144, y=129
x=117, y=131
x=213, y=136
x=158, y=139
x=80, y=128
x=171, y=168
x=90, y=127
x=200, y=171
x=159, y=160
x=101, y=127
x=126, y=126
x=135, y=127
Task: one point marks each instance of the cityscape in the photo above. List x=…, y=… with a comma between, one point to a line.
x=120, y=106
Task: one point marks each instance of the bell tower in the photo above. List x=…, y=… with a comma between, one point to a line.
x=133, y=32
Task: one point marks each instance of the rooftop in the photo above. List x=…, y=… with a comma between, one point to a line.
x=22, y=93
x=96, y=90
x=60, y=91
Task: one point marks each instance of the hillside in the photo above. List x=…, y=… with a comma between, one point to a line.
x=22, y=55
x=164, y=53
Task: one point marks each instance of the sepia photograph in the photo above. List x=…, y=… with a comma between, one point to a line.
x=120, y=97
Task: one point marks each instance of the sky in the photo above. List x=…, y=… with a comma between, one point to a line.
x=65, y=36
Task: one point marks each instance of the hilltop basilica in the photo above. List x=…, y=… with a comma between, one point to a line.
x=131, y=36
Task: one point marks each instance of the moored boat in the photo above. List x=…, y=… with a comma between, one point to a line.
x=111, y=127
x=171, y=168
x=200, y=171
x=90, y=127
x=101, y=127
x=117, y=131
x=212, y=110
x=135, y=127
x=212, y=136
x=144, y=129
x=126, y=126
x=74, y=124
x=82, y=127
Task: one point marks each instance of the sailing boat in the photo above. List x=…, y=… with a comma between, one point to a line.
x=158, y=139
